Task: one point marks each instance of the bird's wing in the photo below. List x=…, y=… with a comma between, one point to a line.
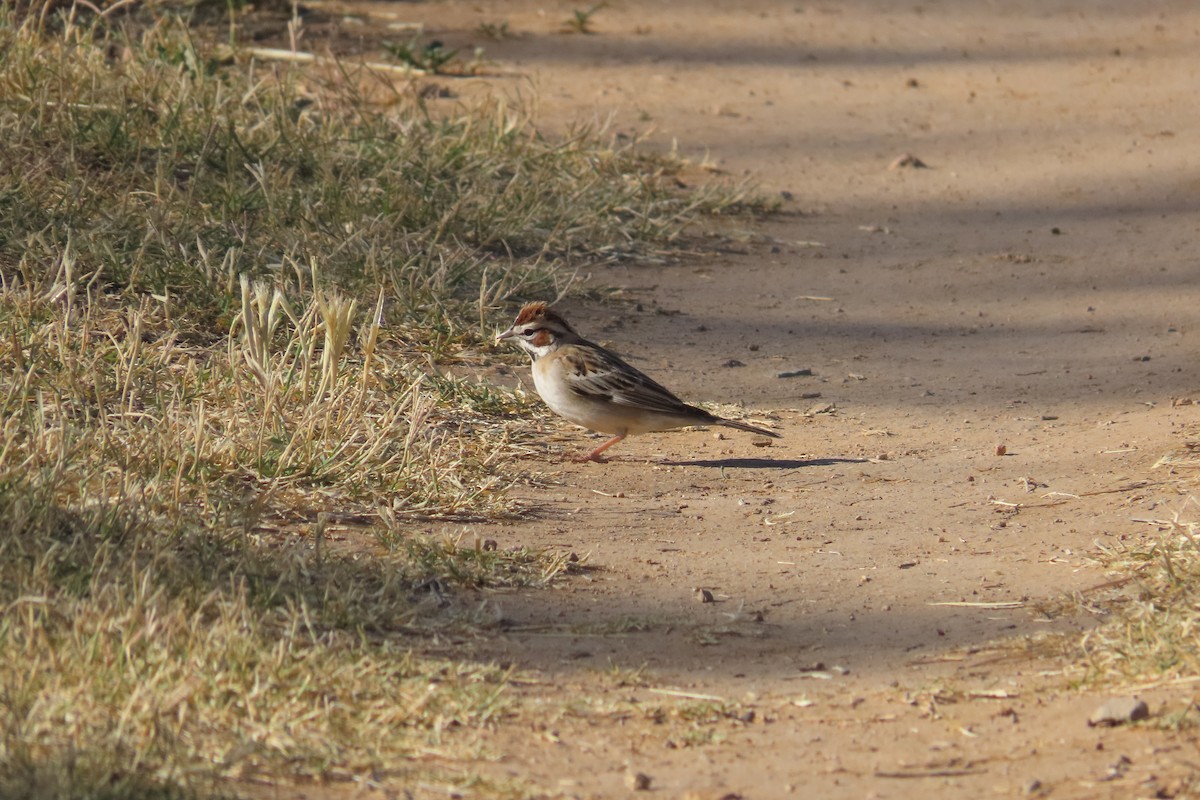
x=596, y=373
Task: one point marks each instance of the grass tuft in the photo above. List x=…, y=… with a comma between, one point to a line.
x=580, y=20
x=1154, y=635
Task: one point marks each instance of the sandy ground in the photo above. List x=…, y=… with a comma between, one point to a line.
x=1034, y=286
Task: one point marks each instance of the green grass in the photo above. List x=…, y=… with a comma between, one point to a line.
x=497, y=31
x=580, y=20
x=433, y=57
x=167, y=172
x=232, y=296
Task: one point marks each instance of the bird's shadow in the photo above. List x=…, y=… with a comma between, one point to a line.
x=765, y=463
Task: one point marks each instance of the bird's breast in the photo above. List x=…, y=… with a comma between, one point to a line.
x=597, y=413
x=552, y=386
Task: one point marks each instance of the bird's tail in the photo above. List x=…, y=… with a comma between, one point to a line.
x=742, y=426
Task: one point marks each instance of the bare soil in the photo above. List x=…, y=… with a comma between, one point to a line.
x=995, y=341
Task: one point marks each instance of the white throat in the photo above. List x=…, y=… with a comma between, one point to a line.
x=536, y=351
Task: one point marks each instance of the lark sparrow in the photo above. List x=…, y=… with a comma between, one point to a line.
x=593, y=388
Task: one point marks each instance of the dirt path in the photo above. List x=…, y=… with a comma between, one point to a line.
x=1033, y=287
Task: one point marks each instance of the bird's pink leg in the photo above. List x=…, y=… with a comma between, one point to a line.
x=595, y=454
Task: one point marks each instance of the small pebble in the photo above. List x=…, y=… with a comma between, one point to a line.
x=794, y=373
x=907, y=160
x=1119, y=711
x=637, y=781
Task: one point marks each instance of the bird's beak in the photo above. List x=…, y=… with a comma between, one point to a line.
x=505, y=335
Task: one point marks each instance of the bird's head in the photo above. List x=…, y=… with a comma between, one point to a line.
x=538, y=329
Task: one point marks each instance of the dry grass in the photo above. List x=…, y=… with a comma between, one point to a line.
x=1149, y=607
x=225, y=292
x=171, y=172
x=170, y=636
x=1154, y=635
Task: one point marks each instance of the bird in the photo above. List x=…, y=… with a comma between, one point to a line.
x=594, y=388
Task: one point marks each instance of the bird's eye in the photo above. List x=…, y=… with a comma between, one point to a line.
x=528, y=332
